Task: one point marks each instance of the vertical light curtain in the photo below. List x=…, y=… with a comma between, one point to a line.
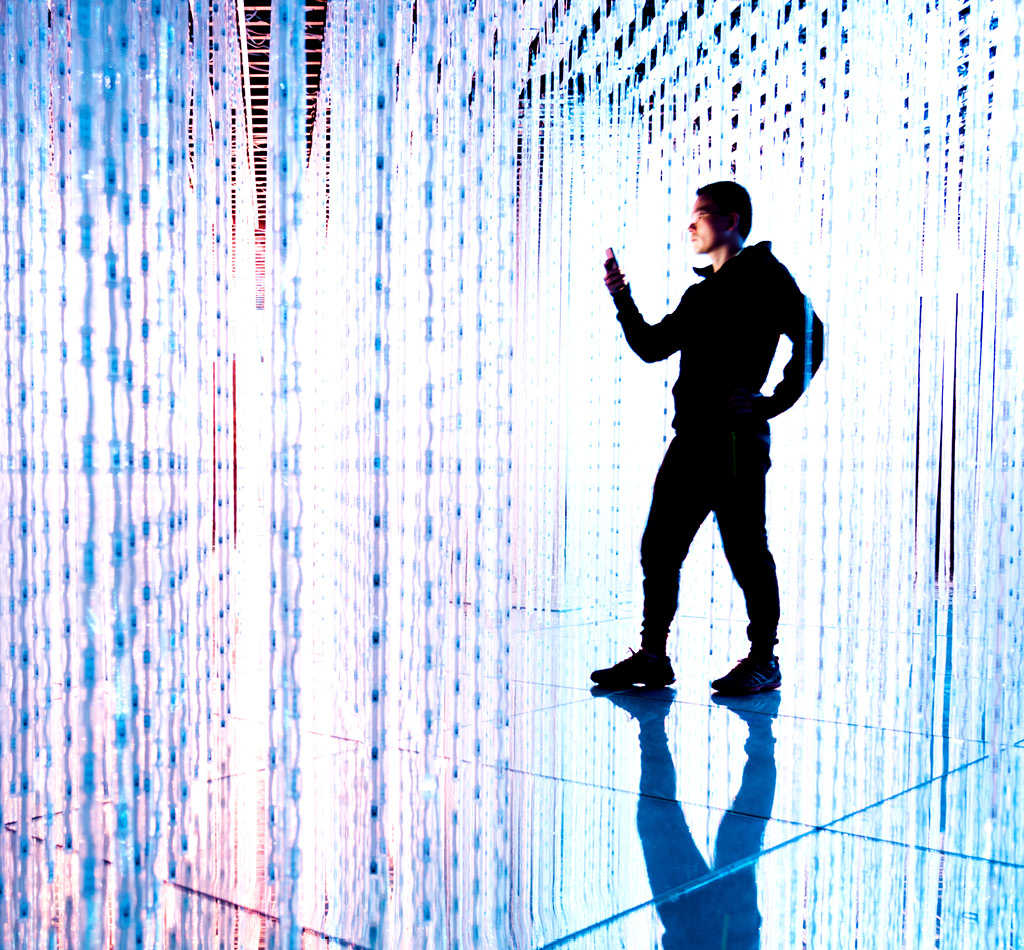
x=284, y=496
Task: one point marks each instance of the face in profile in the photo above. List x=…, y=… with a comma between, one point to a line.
x=709, y=229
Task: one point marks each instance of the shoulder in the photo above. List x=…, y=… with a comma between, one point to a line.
x=760, y=256
x=692, y=295
x=768, y=269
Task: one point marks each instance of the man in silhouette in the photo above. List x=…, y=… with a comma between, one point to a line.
x=725, y=330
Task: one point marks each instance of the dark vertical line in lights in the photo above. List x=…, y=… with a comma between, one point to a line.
x=917, y=447
x=995, y=341
x=981, y=351
x=938, y=481
x=952, y=439
x=542, y=125
x=940, y=888
x=981, y=346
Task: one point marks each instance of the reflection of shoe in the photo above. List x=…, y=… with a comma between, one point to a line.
x=638, y=669
x=750, y=676
x=645, y=706
x=756, y=710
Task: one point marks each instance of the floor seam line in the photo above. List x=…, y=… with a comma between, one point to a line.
x=681, y=891
x=697, y=883
x=913, y=788
x=928, y=849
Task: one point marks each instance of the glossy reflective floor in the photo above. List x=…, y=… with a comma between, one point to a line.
x=871, y=802
x=856, y=807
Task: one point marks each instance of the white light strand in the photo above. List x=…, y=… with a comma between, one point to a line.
x=288, y=540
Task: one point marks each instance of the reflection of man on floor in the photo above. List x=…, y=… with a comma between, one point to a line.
x=722, y=913
x=726, y=330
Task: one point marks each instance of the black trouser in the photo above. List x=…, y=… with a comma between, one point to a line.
x=722, y=472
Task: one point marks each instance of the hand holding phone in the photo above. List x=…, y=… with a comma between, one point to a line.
x=614, y=279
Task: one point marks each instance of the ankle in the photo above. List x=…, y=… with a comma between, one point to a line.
x=653, y=655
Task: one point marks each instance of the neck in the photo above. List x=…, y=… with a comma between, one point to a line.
x=719, y=255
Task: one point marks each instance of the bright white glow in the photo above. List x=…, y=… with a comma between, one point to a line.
x=302, y=511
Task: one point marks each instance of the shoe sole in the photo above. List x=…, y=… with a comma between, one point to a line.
x=621, y=685
x=766, y=688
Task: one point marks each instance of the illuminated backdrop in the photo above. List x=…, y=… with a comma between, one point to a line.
x=289, y=472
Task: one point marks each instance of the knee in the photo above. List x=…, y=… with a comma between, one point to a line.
x=750, y=561
x=659, y=555
x=746, y=542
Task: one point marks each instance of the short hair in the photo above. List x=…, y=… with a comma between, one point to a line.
x=730, y=198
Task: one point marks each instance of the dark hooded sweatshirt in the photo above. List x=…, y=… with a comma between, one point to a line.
x=726, y=329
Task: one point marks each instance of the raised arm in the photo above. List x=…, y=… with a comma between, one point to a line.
x=650, y=342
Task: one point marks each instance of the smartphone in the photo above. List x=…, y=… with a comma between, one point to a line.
x=610, y=261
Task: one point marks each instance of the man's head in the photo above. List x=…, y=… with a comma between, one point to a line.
x=721, y=218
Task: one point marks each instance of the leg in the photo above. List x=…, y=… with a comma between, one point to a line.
x=741, y=833
x=670, y=853
x=680, y=503
x=741, y=520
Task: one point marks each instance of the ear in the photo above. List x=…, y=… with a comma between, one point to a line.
x=734, y=221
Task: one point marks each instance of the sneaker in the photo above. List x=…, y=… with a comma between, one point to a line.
x=750, y=676
x=638, y=669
